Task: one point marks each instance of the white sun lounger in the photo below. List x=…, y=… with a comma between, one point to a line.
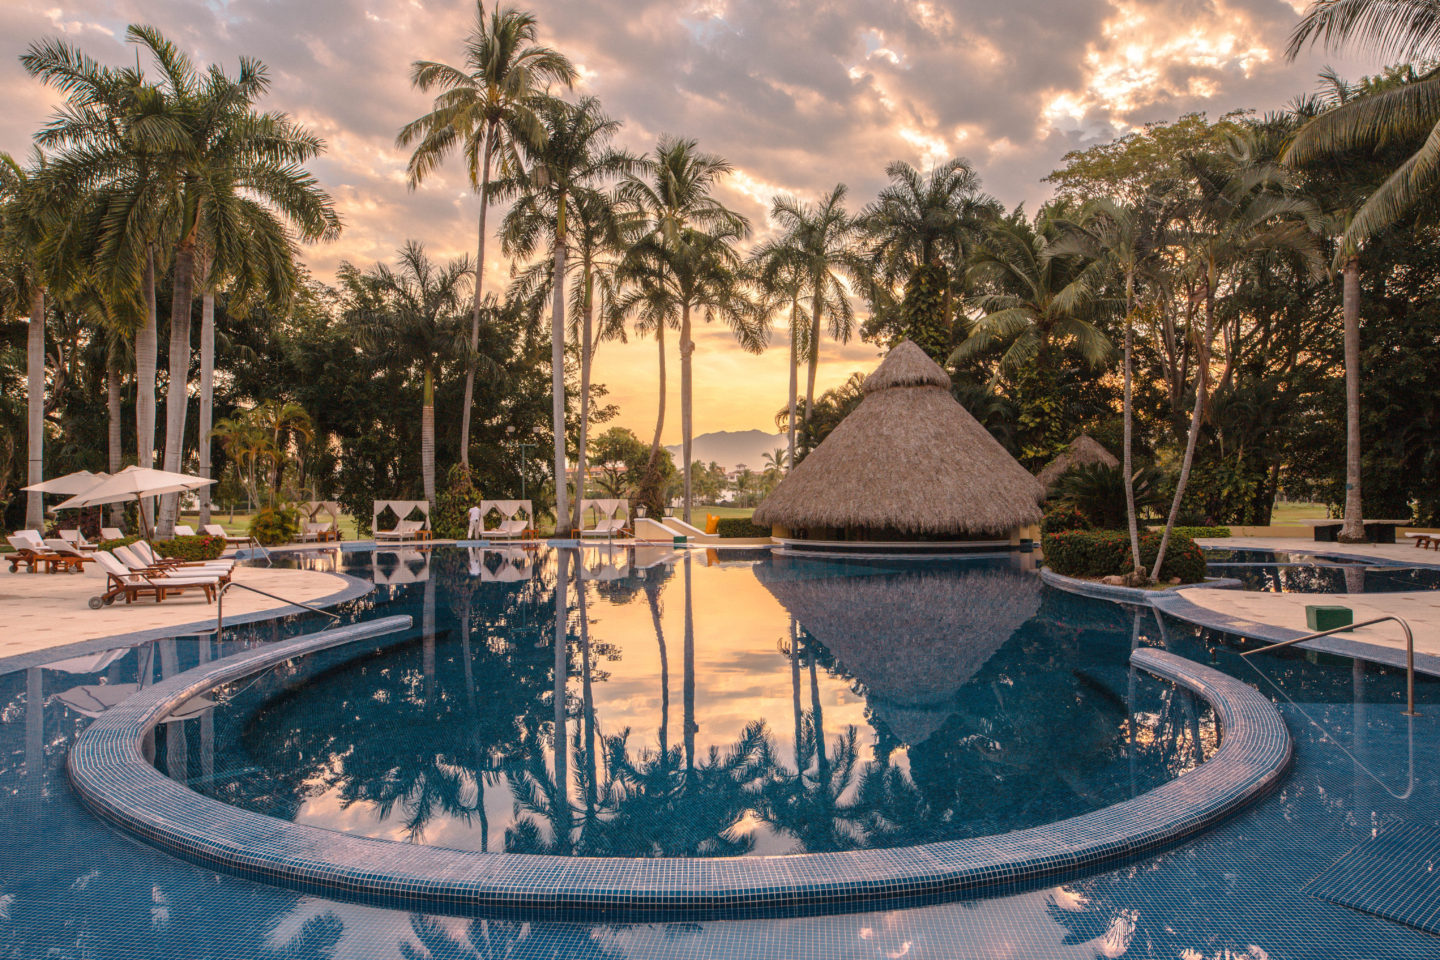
x=123, y=582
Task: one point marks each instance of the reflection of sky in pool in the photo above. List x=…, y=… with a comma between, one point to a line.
x=760, y=707
x=1297, y=572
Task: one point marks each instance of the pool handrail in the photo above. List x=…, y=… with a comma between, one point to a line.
x=1409, y=651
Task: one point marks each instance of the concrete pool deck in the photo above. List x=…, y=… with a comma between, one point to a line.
x=44, y=610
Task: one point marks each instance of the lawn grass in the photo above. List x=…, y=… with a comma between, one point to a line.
x=1290, y=514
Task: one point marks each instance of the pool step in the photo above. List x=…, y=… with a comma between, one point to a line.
x=1395, y=875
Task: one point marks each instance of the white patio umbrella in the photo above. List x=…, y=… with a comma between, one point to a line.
x=135, y=483
x=70, y=484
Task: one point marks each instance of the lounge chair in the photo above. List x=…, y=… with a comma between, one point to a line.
x=184, y=530
x=77, y=540
x=318, y=533
x=68, y=550
x=122, y=582
x=508, y=530
x=147, y=556
x=1422, y=540
x=27, y=554
x=112, y=533
x=137, y=564
x=404, y=530
x=215, y=530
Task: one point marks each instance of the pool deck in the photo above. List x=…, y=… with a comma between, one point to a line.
x=44, y=610
x=1276, y=616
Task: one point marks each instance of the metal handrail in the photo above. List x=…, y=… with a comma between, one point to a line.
x=220, y=606
x=1409, y=652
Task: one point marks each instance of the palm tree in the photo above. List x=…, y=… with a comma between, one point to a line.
x=642, y=292
x=821, y=236
x=1241, y=209
x=782, y=281
x=571, y=163
x=485, y=108
x=25, y=230
x=410, y=317
x=1121, y=239
x=687, y=229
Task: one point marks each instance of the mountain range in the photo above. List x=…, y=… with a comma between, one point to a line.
x=731, y=448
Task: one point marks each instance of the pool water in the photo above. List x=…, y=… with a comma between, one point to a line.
x=696, y=706
x=1297, y=572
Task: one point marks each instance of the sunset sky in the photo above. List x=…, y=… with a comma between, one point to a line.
x=798, y=95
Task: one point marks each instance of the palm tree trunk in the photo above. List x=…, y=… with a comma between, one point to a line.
x=687, y=349
x=427, y=439
x=207, y=395
x=177, y=394
x=113, y=402
x=557, y=373
x=660, y=406
x=814, y=362
x=35, y=420
x=1202, y=370
x=587, y=353
x=469, y=398
x=1353, y=530
x=1128, y=418
x=146, y=350
x=794, y=384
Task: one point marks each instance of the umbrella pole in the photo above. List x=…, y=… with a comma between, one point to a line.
x=140, y=505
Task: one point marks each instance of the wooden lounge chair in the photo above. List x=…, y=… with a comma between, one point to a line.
x=215, y=530
x=112, y=533
x=77, y=540
x=71, y=553
x=614, y=518
x=184, y=530
x=318, y=533
x=146, y=557
x=26, y=554
x=122, y=582
x=1423, y=540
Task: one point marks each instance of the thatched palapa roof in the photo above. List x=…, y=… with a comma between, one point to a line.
x=1083, y=449
x=909, y=458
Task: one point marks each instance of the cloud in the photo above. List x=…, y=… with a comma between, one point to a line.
x=798, y=94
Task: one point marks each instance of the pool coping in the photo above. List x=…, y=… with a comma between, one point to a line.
x=1180, y=608
x=107, y=769
x=354, y=587
x=1134, y=595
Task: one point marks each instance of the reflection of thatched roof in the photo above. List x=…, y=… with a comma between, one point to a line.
x=1083, y=449
x=912, y=633
x=910, y=459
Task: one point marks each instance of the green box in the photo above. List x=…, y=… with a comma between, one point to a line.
x=1319, y=617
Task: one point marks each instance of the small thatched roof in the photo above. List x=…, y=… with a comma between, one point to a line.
x=909, y=458
x=912, y=635
x=1083, y=449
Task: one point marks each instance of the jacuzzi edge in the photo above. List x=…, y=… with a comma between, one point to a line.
x=112, y=778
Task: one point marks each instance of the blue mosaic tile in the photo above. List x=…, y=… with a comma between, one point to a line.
x=1395, y=875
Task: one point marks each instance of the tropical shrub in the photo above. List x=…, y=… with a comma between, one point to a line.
x=202, y=547
x=1194, y=533
x=274, y=525
x=1105, y=553
x=733, y=527
x=1098, y=491
x=1060, y=517
x=450, y=518
x=121, y=542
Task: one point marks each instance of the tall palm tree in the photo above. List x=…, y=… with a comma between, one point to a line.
x=26, y=229
x=642, y=292
x=1121, y=239
x=226, y=166
x=572, y=162
x=410, y=317
x=485, y=108
x=781, y=280
x=822, y=237
x=689, y=239
x=1241, y=208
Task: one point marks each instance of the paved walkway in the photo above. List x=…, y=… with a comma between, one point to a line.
x=1287, y=610
x=43, y=610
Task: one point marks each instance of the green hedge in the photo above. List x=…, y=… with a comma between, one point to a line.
x=1197, y=532
x=275, y=525
x=1105, y=553
x=731, y=527
x=1059, y=518
x=202, y=547
x=122, y=542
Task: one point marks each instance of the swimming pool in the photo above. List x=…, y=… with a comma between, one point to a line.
x=759, y=706
x=1273, y=571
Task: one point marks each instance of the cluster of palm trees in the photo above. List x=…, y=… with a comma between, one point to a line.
x=139, y=174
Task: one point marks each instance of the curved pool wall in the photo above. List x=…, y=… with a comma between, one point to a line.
x=109, y=772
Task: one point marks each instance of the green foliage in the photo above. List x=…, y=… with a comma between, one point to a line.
x=202, y=547
x=741, y=527
x=1195, y=533
x=1060, y=517
x=923, y=315
x=1126, y=167
x=1105, y=553
x=122, y=542
x=450, y=517
x=276, y=525
x=1097, y=491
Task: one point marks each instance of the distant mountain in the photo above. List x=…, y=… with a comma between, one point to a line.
x=730, y=448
